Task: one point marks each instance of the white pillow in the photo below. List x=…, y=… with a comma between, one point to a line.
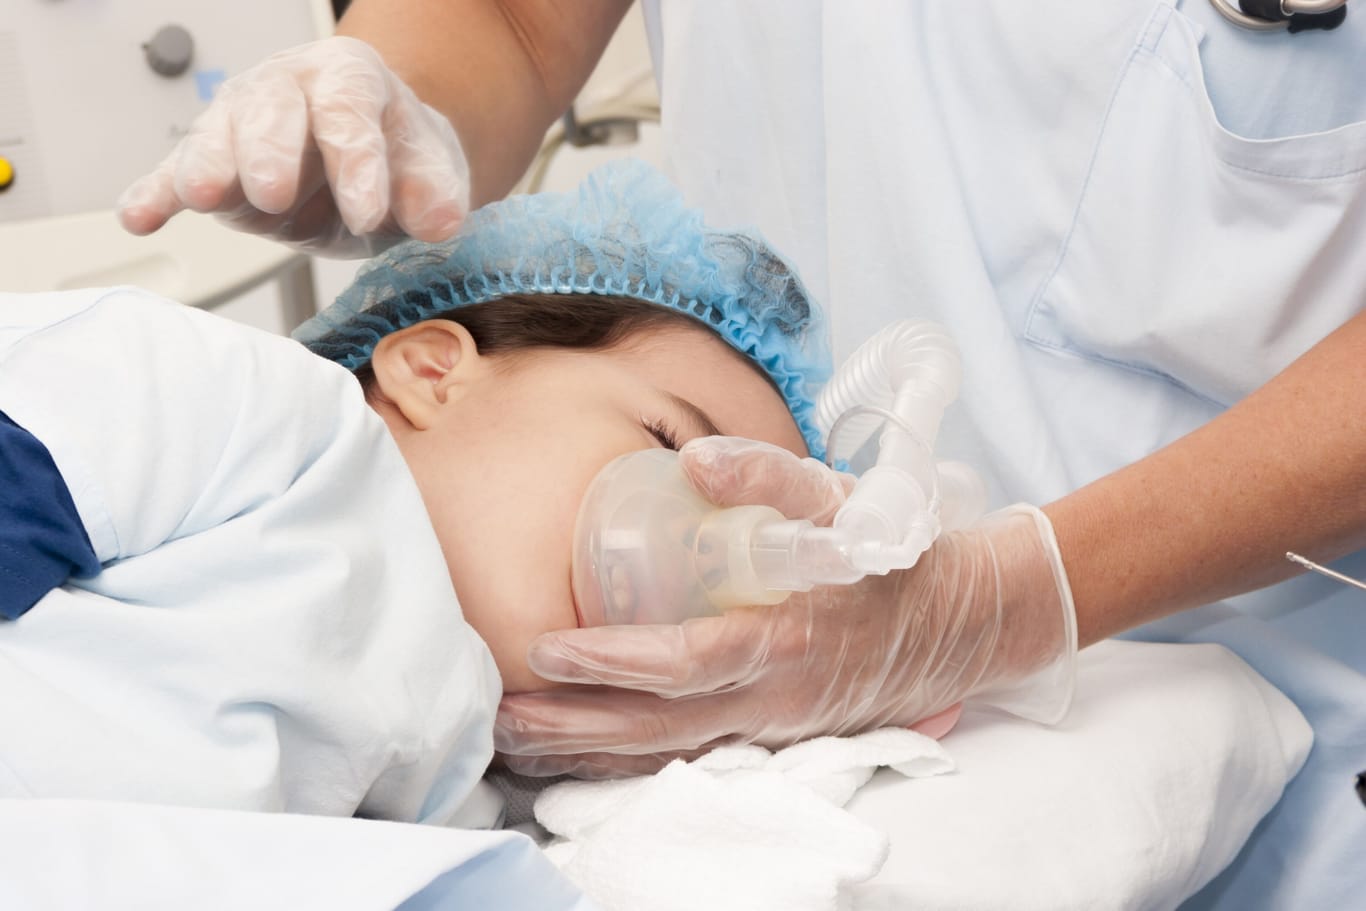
x=1170, y=756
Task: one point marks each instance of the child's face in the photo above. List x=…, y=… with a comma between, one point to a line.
x=503, y=448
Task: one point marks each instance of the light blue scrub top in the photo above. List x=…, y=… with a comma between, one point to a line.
x=1129, y=214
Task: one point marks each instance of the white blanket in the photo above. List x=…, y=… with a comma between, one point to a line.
x=737, y=828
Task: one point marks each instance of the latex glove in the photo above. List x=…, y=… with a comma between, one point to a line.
x=985, y=615
x=320, y=146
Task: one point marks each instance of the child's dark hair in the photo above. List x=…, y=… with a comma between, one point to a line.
x=586, y=322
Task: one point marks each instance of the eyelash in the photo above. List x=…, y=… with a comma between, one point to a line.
x=661, y=431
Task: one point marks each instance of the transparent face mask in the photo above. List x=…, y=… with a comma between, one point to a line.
x=649, y=549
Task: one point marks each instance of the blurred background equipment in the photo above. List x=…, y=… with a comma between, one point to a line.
x=92, y=95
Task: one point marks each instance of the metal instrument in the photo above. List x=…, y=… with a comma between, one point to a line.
x=1345, y=580
x=1324, y=571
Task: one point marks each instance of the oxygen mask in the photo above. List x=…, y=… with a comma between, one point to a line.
x=649, y=549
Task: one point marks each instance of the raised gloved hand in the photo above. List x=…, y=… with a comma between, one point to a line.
x=985, y=615
x=321, y=147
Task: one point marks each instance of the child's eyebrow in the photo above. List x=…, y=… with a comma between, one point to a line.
x=699, y=417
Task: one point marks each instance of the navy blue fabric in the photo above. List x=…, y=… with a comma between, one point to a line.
x=42, y=540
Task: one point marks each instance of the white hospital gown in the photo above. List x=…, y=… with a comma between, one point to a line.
x=274, y=627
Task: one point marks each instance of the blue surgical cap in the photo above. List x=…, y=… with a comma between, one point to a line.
x=625, y=232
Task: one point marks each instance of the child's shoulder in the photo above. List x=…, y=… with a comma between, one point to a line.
x=101, y=316
x=127, y=354
x=26, y=314
x=147, y=332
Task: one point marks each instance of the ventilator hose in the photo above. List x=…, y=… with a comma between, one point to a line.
x=906, y=352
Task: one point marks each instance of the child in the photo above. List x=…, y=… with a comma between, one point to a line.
x=237, y=577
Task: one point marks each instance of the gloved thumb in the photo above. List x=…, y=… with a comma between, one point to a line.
x=731, y=471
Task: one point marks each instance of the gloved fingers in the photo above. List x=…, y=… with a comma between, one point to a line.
x=270, y=130
x=702, y=655
x=317, y=228
x=591, y=732
x=235, y=210
x=346, y=110
x=151, y=200
x=311, y=217
x=582, y=720
x=601, y=765
x=430, y=178
x=596, y=766
x=731, y=471
x=206, y=167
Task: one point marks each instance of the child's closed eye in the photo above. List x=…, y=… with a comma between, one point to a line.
x=666, y=435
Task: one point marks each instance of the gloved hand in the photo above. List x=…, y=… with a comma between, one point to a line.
x=985, y=615
x=321, y=147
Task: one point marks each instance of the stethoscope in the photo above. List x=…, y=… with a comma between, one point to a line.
x=1272, y=15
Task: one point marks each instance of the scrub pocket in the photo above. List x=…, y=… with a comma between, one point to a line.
x=1197, y=255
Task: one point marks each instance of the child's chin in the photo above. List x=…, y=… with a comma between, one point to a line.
x=937, y=726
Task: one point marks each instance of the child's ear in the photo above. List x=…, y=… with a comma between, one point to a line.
x=426, y=367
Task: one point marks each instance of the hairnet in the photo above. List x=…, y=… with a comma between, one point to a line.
x=624, y=232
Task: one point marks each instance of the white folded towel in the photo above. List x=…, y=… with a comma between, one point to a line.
x=737, y=828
